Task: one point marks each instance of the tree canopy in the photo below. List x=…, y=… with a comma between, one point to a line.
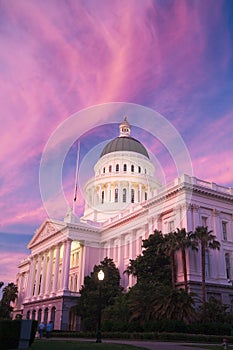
x=87, y=306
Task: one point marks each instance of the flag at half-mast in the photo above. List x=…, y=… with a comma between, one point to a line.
x=76, y=174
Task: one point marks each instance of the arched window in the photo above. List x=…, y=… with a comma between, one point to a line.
x=124, y=195
x=132, y=195
x=145, y=171
x=39, y=315
x=28, y=315
x=116, y=195
x=102, y=197
x=103, y=170
x=46, y=312
x=125, y=167
x=132, y=168
x=117, y=167
x=139, y=169
x=53, y=313
x=110, y=168
x=33, y=314
x=145, y=196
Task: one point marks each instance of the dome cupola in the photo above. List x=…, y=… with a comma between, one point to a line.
x=124, y=142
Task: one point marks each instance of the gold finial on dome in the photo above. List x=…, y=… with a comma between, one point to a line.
x=124, y=128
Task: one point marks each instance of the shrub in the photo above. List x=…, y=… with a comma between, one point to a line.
x=9, y=334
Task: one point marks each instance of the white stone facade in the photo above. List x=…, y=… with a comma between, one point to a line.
x=62, y=253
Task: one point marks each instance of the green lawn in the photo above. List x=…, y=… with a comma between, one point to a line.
x=42, y=344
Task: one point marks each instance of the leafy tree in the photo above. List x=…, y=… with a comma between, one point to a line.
x=9, y=294
x=153, y=265
x=207, y=241
x=185, y=240
x=88, y=302
x=117, y=315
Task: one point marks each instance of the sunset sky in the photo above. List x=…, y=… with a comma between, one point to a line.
x=58, y=58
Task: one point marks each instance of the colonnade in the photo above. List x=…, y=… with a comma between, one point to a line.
x=49, y=271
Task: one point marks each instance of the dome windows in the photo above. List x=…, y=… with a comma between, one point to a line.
x=117, y=167
x=132, y=168
x=125, y=167
x=124, y=195
x=116, y=195
x=132, y=195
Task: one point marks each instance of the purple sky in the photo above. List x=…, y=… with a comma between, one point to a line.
x=59, y=57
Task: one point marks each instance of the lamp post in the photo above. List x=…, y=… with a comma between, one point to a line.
x=100, y=278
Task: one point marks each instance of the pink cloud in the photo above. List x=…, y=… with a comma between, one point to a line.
x=8, y=267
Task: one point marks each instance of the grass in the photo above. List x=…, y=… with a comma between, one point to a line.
x=41, y=344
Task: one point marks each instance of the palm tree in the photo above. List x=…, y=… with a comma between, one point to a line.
x=9, y=294
x=170, y=246
x=185, y=240
x=176, y=304
x=207, y=241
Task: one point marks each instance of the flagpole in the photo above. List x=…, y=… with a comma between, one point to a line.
x=76, y=177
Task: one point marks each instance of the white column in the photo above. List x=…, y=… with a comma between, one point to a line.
x=129, y=198
x=38, y=275
x=49, y=272
x=92, y=197
x=80, y=268
x=56, y=269
x=108, y=194
x=31, y=277
x=140, y=192
x=42, y=288
x=67, y=265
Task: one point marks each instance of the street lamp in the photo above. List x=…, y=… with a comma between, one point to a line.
x=100, y=278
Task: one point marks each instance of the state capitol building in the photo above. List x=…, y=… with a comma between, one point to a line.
x=124, y=204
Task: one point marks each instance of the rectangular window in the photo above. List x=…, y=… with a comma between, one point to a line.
x=207, y=263
x=224, y=230
x=204, y=221
x=170, y=226
x=228, y=265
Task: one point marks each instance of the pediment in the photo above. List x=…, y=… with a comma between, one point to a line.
x=45, y=231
